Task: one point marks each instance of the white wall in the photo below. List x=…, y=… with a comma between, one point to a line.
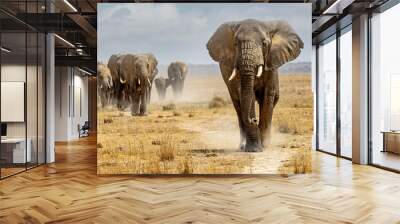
x=14, y=73
x=80, y=109
x=71, y=87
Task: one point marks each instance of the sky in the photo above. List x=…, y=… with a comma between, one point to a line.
x=181, y=31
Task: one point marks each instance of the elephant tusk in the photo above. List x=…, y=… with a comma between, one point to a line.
x=122, y=81
x=138, y=81
x=233, y=74
x=260, y=70
x=148, y=80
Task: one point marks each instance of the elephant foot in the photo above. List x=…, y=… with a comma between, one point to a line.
x=242, y=146
x=253, y=147
x=142, y=114
x=135, y=114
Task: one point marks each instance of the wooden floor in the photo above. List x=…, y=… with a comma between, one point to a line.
x=387, y=159
x=69, y=191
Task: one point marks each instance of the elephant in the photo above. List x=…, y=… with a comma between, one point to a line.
x=161, y=86
x=104, y=84
x=249, y=53
x=137, y=72
x=120, y=89
x=177, y=72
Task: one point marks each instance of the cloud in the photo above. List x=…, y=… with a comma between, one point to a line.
x=181, y=31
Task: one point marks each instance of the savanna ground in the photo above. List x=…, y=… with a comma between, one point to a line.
x=199, y=133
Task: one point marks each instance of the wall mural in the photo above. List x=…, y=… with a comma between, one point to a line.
x=204, y=88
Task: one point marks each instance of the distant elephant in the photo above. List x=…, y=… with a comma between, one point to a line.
x=177, y=72
x=104, y=84
x=137, y=72
x=161, y=86
x=119, y=91
x=249, y=53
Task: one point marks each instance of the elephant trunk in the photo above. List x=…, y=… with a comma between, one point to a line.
x=247, y=66
x=148, y=92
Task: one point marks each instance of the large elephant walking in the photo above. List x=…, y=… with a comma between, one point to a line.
x=137, y=72
x=177, y=72
x=104, y=84
x=120, y=89
x=249, y=53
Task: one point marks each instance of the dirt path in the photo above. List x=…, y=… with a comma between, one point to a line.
x=222, y=134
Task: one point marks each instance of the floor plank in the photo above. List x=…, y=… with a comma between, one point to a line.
x=70, y=191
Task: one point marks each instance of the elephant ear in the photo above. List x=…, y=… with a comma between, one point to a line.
x=221, y=45
x=152, y=64
x=186, y=68
x=285, y=45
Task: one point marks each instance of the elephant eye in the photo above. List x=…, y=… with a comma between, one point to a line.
x=265, y=42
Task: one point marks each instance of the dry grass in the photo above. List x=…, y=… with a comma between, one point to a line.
x=170, y=106
x=294, y=111
x=167, y=150
x=200, y=135
x=300, y=164
x=217, y=102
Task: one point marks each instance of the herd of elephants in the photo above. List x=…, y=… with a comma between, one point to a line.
x=127, y=79
x=249, y=53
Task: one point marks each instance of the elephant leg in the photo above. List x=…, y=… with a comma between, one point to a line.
x=109, y=97
x=180, y=88
x=175, y=89
x=236, y=105
x=268, y=99
x=102, y=98
x=262, y=124
x=120, y=97
x=135, y=104
x=113, y=95
x=162, y=93
x=106, y=98
x=267, y=105
x=148, y=97
x=127, y=98
x=233, y=93
x=143, y=104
